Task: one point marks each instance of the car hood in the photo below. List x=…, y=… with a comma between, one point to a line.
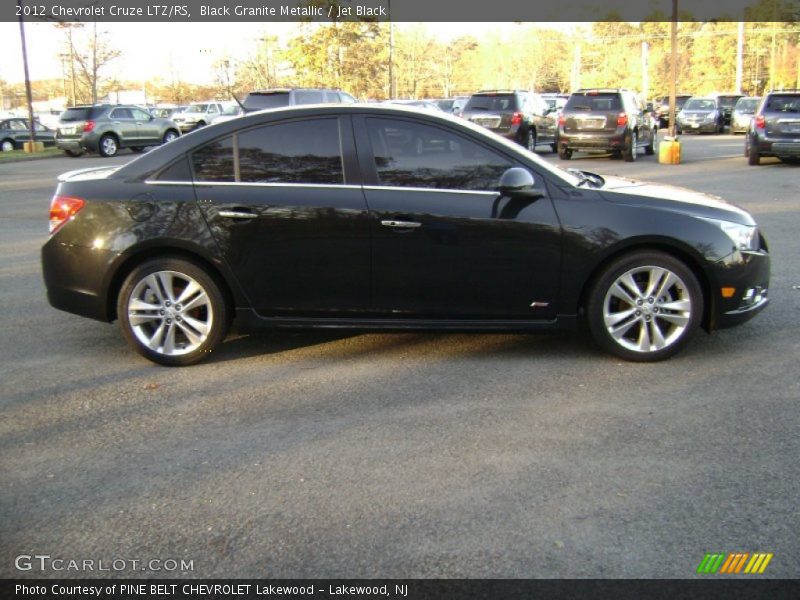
x=699, y=113
x=673, y=198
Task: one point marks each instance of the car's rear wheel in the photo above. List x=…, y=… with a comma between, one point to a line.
x=7, y=145
x=172, y=311
x=631, y=148
x=753, y=157
x=564, y=153
x=650, y=149
x=74, y=153
x=644, y=306
x=530, y=140
x=108, y=146
x=169, y=136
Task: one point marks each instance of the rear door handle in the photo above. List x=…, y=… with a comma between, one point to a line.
x=236, y=214
x=401, y=224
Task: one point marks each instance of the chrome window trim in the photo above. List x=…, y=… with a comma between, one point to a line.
x=422, y=189
x=256, y=184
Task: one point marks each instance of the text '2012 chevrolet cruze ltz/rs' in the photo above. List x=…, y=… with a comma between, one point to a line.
x=387, y=218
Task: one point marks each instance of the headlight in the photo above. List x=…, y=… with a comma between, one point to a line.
x=744, y=237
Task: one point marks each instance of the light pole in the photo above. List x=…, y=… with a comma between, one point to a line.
x=28, y=92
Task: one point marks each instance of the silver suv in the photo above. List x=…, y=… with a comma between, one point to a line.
x=276, y=98
x=197, y=114
x=105, y=128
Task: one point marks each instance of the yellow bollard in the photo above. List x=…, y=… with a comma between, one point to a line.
x=669, y=151
x=30, y=147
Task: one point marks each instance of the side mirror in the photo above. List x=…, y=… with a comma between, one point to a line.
x=518, y=182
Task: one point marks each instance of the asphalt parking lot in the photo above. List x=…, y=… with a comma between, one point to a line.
x=403, y=455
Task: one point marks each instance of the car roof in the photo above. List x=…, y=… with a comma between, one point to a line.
x=153, y=161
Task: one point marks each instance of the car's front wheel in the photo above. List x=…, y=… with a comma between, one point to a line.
x=172, y=311
x=7, y=145
x=169, y=136
x=564, y=153
x=644, y=306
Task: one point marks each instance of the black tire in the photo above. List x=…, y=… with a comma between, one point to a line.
x=753, y=157
x=564, y=153
x=529, y=140
x=108, y=145
x=631, y=149
x=181, y=335
x=74, y=153
x=554, y=147
x=200, y=124
x=650, y=149
x=170, y=135
x=7, y=145
x=637, y=319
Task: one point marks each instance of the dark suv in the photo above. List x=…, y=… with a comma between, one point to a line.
x=105, y=128
x=277, y=98
x=775, y=128
x=523, y=117
x=612, y=120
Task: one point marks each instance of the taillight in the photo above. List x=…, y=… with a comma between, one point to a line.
x=562, y=120
x=516, y=118
x=62, y=209
x=761, y=122
x=622, y=119
x=88, y=126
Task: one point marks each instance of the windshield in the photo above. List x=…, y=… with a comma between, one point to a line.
x=492, y=102
x=747, y=105
x=196, y=108
x=700, y=104
x=79, y=113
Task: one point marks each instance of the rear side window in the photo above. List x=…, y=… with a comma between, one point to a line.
x=214, y=161
x=788, y=103
x=309, y=97
x=594, y=102
x=266, y=100
x=497, y=102
x=297, y=152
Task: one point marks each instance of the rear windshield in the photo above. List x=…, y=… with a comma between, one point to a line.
x=594, y=101
x=496, y=102
x=700, y=104
x=267, y=100
x=788, y=103
x=747, y=105
x=80, y=113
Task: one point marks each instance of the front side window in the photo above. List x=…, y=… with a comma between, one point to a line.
x=140, y=115
x=409, y=154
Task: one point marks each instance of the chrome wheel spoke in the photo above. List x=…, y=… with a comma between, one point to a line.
x=620, y=331
x=200, y=327
x=189, y=291
x=666, y=284
x=655, y=276
x=137, y=319
x=620, y=292
x=644, y=338
x=682, y=305
x=612, y=319
x=169, y=339
x=154, y=343
x=200, y=300
x=167, y=283
x=657, y=335
x=679, y=320
x=190, y=334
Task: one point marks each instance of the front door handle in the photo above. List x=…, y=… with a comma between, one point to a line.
x=401, y=224
x=236, y=214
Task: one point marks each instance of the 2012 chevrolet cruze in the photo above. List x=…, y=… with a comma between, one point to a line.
x=387, y=218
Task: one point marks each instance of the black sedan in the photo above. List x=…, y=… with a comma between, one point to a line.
x=15, y=132
x=386, y=218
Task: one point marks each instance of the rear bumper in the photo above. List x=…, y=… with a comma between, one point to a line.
x=85, y=142
x=592, y=141
x=777, y=147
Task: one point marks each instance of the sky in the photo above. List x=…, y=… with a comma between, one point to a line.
x=163, y=49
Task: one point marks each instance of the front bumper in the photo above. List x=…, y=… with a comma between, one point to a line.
x=748, y=274
x=699, y=126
